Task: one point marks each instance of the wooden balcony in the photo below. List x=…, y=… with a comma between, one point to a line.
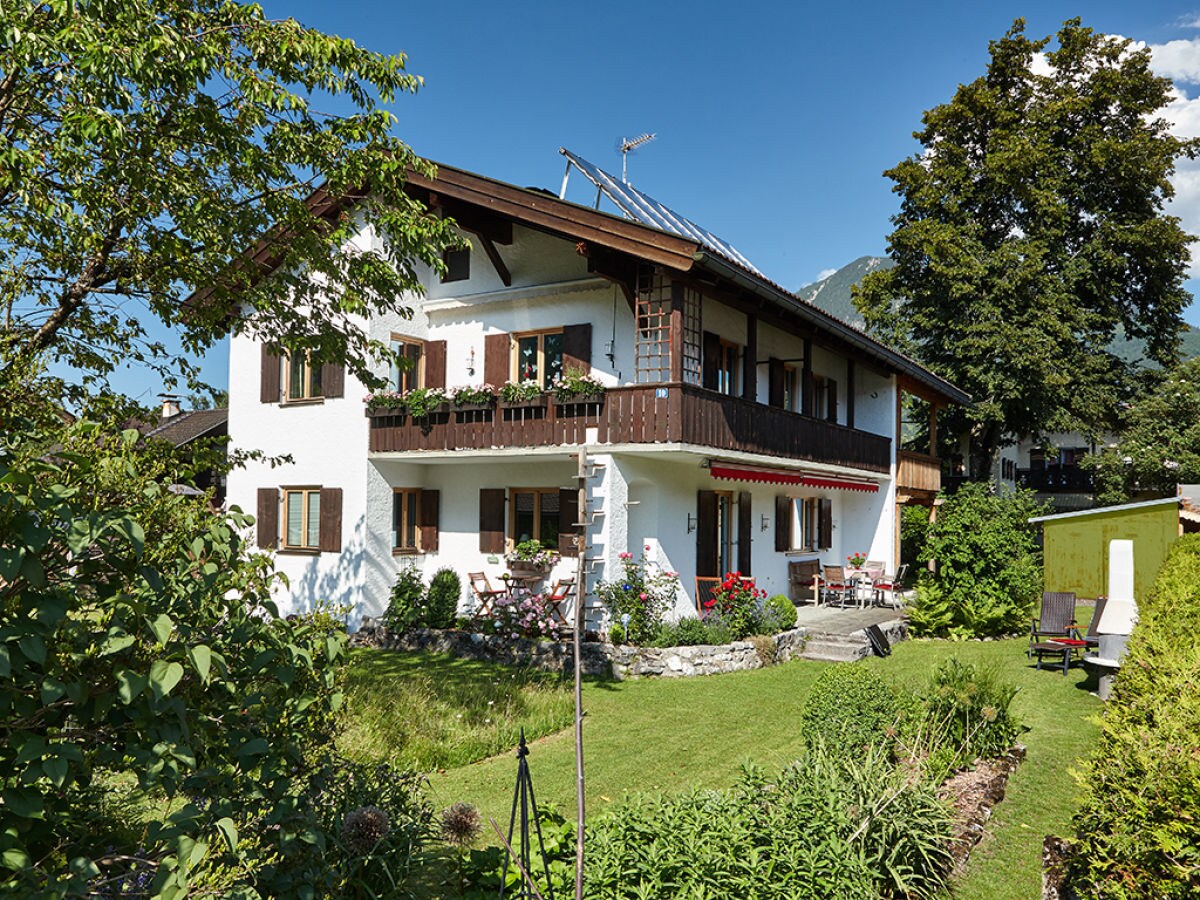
x=644, y=414
x=918, y=472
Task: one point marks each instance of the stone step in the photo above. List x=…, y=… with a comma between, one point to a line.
x=835, y=649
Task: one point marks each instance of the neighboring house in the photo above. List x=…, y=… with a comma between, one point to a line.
x=741, y=429
x=1051, y=468
x=183, y=429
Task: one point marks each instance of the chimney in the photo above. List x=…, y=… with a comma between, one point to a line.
x=170, y=405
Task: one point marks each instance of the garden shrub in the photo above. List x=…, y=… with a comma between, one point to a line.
x=784, y=612
x=690, y=632
x=831, y=825
x=738, y=602
x=517, y=616
x=989, y=575
x=441, y=601
x=1138, y=831
x=967, y=716
x=616, y=633
x=850, y=706
x=914, y=522
x=483, y=869
x=639, y=598
x=407, y=598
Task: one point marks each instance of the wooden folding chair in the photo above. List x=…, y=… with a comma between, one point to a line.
x=562, y=592
x=485, y=594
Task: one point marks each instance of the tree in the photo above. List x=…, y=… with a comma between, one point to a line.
x=145, y=146
x=1031, y=233
x=1159, y=446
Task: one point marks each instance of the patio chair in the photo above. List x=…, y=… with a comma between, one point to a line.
x=562, y=592
x=1057, y=618
x=802, y=582
x=485, y=594
x=1091, y=637
x=835, y=587
x=706, y=589
x=890, y=589
x=874, y=569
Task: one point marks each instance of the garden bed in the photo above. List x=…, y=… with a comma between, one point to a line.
x=617, y=661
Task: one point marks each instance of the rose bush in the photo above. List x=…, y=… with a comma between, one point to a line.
x=644, y=593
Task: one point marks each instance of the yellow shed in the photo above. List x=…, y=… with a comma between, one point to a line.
x=1076, y=544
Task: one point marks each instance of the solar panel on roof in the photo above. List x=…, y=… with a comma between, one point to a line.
x=641, y=207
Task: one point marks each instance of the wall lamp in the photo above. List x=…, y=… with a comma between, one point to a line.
x=471, y=362
x=691, y=523
x=765, y=524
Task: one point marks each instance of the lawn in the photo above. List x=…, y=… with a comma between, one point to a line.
x=669, y=734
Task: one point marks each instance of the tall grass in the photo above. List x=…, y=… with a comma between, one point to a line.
x=428, y=712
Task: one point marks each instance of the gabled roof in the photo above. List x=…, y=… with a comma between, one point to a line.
x=190, y=426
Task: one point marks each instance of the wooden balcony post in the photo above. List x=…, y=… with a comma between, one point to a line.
x=676, y=331
x=750, y=360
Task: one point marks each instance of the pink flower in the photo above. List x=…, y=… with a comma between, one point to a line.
x=625, y=555
x=642, y=595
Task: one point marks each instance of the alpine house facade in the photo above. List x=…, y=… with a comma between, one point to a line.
x=740, y=429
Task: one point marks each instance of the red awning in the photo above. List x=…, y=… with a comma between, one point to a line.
x=790, y=476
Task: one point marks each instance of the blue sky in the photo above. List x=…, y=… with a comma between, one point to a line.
x=775, y=121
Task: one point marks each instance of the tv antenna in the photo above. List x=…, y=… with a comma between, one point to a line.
x=628, y=144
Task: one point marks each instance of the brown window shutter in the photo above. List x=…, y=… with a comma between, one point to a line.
x=577, y=347
x=850, y=389
x=435, y=364
x=568, y=522
x=428, y=514
x=269, y=383
x=706, y=535
x=267, y=519
x=711, y=365
x=783, y=523
x=745, y=525
x=331, y=520
x=775, y=379
x=496, y=351
x=831, y=404
x=824, y=524
x=333, y=380
x=491, y=520
x=806, y=381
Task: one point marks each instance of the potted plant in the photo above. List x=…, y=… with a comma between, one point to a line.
x=469, y=397
x=577, y=386
x=522, y=393
x=856, y=560
x=385, y=403
x=422, y=402
x=531, y=558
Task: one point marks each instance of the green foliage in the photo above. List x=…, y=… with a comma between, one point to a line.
x=784, y=611
x=138, y=644
x=737, y=602
x=967, y=716
x=1026, y=242
x=1159, y=444
x=520, y=391
x=1138, y=834
x=441, y=602
x=914, y=522
x=690, y=631
x=639, y=598
x=484, y=869
x=616, y=633
x=577, y=385
x=407, y=602
x=153, y=143
x=851, y=707
x=989, y=572
x=831, y=825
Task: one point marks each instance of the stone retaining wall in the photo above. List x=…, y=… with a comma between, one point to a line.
x=608, y=660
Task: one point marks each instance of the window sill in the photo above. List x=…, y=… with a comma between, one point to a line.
x=299, y=551
x=306, y=401
x=803, y=552
x=407, y=551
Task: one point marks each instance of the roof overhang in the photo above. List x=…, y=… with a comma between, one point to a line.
x=1103, y=510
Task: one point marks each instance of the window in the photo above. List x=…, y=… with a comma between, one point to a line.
x=302, y=518
x=807, y=507
x=406, y=505
x=791, y=398
x=537, y=356
x=410, y=375
x=303, y=378
x=727, y=368
x=535, y=516
x=824, y=398
x=813, y=524
x=458, y=264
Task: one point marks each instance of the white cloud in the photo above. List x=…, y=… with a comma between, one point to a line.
x=825, y=273
x=1180, y=61
x=1177, y=60
x=1192, y=21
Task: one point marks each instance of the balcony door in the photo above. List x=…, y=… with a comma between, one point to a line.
x=722, y=533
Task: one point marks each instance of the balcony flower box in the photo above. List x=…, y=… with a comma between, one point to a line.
x=538, y=402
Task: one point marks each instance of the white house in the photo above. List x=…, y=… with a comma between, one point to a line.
x=742, y=428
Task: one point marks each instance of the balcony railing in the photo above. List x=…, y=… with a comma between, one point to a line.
x=1057, y=480
x=644, y=414
x=918, y=472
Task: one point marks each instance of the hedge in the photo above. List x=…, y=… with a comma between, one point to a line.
x=1139, y=827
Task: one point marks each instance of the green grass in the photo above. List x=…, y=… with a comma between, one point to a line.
x=669, y=734
x=430, y=712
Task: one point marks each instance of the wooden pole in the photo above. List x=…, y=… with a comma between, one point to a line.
x=580, y=595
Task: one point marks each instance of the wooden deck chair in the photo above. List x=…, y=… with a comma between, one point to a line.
x=706, y=588
x=564, y=589
x=1057, y=618
x=889, y=589
x=802, y=582
x=485, y=594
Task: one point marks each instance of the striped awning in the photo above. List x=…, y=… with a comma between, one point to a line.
x=790, y=476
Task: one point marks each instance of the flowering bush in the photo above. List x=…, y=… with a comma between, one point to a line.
x=520, y=615
x=739, y=604
x=520, y=391
x=468, y=395
x=642, y=592
x=533, y=555
x=576, y=385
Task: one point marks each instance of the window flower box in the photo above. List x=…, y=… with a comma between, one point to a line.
x=538, y=402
